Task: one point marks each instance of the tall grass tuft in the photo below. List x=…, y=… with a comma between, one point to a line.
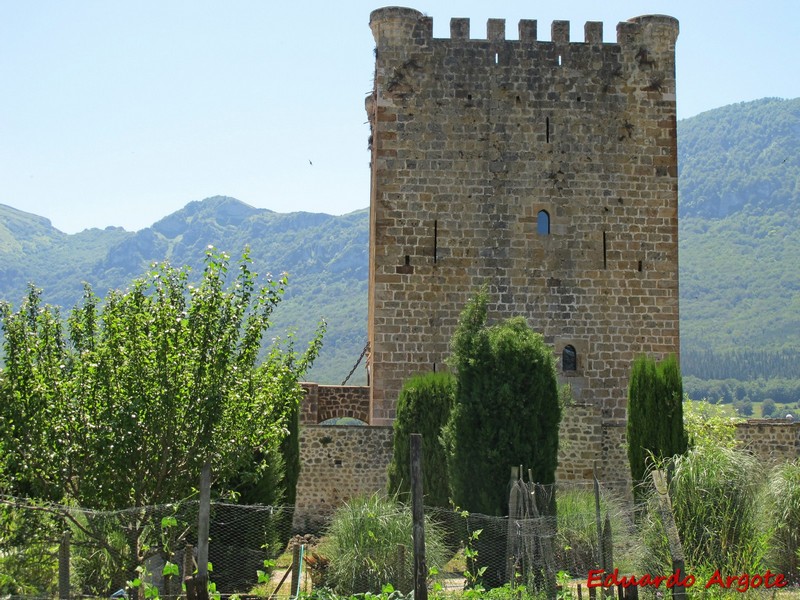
x=783, y=513
x=576, y=541
x=369, y=544
x=715, y=500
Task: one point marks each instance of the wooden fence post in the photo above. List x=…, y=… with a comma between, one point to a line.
x=418, y=516
x=607, y=548
x=597, y=521
x=63, y=567
x=675, y=546
x=201, y=580
x=295, y=582
x=188, y=571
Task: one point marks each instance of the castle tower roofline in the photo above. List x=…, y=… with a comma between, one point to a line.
x=394, y=13
x=662, y=27
x=656, y=20
x=398, y=25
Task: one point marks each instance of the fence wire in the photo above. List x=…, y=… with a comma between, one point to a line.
x=551, y=538
x=108, y=549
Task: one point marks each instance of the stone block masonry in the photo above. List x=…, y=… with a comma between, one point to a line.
x=547, y=170
x=338, y=463
x=771, y=440
x=325, y=402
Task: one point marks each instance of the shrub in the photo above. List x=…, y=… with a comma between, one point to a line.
x=506, y=413
x=369, y=544
x=768, y=408
x=708, y=424
x=423, y=407
x=576, y=537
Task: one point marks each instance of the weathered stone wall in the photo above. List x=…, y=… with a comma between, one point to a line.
x=323, y=402
x=580, y=442
x=547, y=170
x=336, y=464
x=771, y=440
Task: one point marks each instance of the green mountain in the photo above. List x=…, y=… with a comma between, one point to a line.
x=739, y=177
x=325, y=256
x=739, y=182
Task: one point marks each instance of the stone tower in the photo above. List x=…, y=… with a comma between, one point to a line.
x=547, y=170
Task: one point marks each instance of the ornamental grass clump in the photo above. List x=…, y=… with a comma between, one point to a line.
x=783, y=514
x=369, y=545
x=715, y=495
x=576, y=544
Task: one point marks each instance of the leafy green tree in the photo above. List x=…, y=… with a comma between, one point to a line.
x=125, y=409
x=423, y=407
x=655, y=414
x=768, y=408
x=506, y=412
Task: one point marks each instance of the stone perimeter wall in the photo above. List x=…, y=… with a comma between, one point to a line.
x=340, y=462
x=771, y=440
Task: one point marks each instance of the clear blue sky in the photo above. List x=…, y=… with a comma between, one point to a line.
x=119, y=113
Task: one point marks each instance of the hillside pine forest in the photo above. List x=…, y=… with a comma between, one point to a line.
x=739, y=211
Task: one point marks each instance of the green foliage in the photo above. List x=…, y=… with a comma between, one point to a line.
x=710, y=425
x=423, y=407
x=742, y=155
x=768, y=408
x=740, y=365
x=739, y=214
x=388, y=593
x=124, y=410
x=715, y=500
x=28, y=541
x=744, y=408
x=655, y=415
x=506, y=412
x=370, y=544
x=716, y=495
x=575, y=542
x=779, y=389
x=783, y=514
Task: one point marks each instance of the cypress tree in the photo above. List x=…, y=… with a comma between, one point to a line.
x=655, y=415
x=423, y=407
x=506, y=413
x=506, y=410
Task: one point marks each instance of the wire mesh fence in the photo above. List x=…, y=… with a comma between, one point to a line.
x=555, y=537
x=154, y=544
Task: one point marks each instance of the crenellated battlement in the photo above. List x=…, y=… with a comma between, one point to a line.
x=399, y=23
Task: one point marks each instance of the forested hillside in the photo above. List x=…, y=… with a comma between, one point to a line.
x=739, y=176
x=739, y=181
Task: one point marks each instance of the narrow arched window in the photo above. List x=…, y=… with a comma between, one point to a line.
x=543, y=222
x=569, y=359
